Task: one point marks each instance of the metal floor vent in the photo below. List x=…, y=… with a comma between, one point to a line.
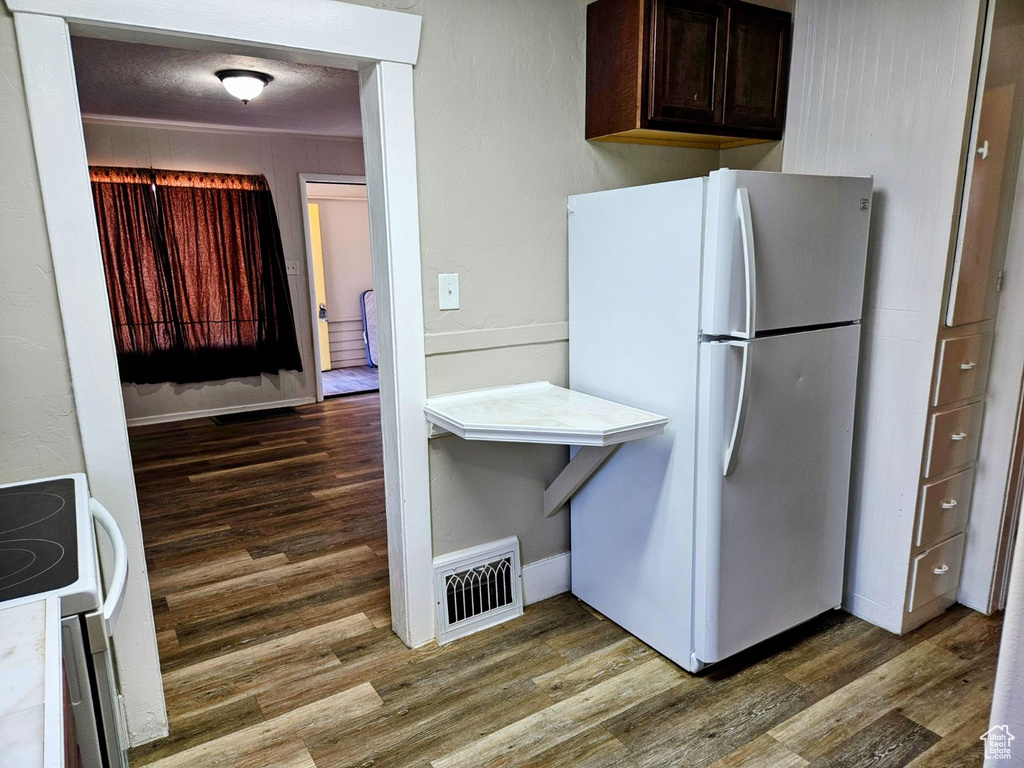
x=477, y=588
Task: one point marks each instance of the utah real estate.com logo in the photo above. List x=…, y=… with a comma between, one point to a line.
x=997, y=742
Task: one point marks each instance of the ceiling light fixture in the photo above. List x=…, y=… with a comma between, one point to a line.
x=243, y=84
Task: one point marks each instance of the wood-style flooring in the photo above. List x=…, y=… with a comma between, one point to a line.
x=268, y=565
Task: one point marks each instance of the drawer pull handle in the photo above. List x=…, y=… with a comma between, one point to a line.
x=949, y=504
x=968, y=366
x=940, y=570
x=958, y=436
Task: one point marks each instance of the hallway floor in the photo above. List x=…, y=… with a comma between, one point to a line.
x=267, y=553
x=349, y=381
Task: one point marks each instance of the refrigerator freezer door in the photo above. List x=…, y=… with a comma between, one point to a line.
x=808, y=254
x=770, y=535
x=634, y=266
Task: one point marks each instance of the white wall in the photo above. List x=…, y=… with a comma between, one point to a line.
x=38, y=428
x=345, y=234
x=882, y=89
x=281, y=158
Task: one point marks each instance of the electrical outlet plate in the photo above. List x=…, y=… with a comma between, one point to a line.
x=291, y=267
x=448, y=291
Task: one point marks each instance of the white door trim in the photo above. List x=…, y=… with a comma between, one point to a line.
x=304, y=179
x=384, y=45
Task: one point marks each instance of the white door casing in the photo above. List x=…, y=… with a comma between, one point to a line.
x=304, y=180
x=384, y=45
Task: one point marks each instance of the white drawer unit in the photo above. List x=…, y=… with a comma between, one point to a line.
x=936, y=572
x=953, y=439
x=943, y=510
x=962, y=368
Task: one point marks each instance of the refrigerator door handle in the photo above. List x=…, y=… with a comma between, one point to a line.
x=115, y=593
x=733, y=451
x=749, y=266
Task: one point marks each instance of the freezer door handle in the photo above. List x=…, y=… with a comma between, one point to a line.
x=115, y=591
x=749, y=263
x=732, y=452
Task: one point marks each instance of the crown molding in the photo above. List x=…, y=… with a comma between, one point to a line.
x=183, y=125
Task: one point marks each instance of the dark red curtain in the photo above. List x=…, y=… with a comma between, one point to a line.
x=196, y=275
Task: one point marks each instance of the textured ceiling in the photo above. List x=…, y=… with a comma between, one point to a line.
x=119, y=79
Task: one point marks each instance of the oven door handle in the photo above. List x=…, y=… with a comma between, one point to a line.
x=115, y=592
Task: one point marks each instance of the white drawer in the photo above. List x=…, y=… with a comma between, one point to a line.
x=962, y=368
x=953, y=439
x=944, y=506
x=936, y=572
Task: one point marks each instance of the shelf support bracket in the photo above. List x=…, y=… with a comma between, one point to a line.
x=586, y=462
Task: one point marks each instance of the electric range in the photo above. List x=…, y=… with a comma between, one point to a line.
x=48, y=547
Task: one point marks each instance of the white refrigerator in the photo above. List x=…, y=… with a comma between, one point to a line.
x=732, y=305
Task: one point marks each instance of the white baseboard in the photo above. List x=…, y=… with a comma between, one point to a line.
x=163, y=418
x=546, y=578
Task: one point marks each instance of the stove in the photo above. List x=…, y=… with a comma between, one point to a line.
x=47, y=545
x=38, y=538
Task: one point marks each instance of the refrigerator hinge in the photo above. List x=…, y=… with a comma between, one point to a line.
x=999, y=281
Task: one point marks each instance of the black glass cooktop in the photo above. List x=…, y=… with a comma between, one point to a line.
x=38, y=538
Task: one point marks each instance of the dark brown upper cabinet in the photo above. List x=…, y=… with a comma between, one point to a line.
x=698, y=73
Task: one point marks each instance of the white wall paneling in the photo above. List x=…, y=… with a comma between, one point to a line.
x=281, y=158
x=328, y=31
x=885, y=89
x=347, y=346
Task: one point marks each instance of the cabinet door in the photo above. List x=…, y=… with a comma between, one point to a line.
x=687, y=67
x=758, y=56
x=979, y=250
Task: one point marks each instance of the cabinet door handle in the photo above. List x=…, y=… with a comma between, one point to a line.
x=940, y=570
x=968, y=366
x=983, y=150
x=949, y=504
x=958, y=436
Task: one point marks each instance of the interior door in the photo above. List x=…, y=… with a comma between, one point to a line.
x=771, y=523
x=805, y=250
x=323, y=331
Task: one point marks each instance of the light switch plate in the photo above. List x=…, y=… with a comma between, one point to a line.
x=291, y=267
x=448, y=291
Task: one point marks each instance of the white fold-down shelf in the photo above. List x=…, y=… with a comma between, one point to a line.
x=541, y=412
